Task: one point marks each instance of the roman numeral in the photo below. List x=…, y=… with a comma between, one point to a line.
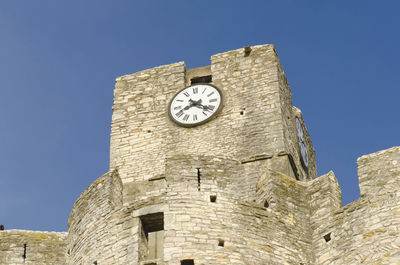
x=211, y=107
x=186, y=94
x=204, y=90
x=179, y=113
x=195, y=90
x=213, y=100
x=178, y=107
x=194, y=117
x=186, y=117
x=180, y=100
x=210, y=94
x=205, y=113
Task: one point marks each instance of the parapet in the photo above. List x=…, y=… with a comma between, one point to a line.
x=365, y=231
x=379, y=173
x=93, y=218
x=32, y=247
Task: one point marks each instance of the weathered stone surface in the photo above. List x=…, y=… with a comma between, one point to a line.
x=40, y=248
x=257, y=119
x=366, y=231
x=231, y=191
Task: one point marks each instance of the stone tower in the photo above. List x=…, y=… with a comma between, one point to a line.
x=240, y=188
x=189, y=193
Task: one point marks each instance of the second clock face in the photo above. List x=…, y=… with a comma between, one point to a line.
x=195, y=105
x=302, y=143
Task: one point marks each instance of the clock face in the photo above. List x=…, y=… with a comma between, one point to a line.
x=195, y=105
x=302, y=143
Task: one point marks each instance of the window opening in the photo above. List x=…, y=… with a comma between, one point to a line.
x=266, y=204
x=152, y=237
x=327, y=237
x=198, y=179
x=201, y=79
x=221, y=242
x=247, y=51
x=1, y=227
x=24, y=256
x=187, y=262
x=213, y=198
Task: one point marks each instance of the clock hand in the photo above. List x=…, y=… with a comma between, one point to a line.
x=207, y=108
x=192, y=104
x=200, y=106
x=195, y=103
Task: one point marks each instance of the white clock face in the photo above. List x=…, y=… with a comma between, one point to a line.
x=302, y=143
x=195, y=105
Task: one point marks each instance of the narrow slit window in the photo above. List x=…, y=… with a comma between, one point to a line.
x=198, y=179
x=221, y=242
x=24, y=256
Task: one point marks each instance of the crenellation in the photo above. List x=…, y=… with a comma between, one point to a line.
x=386, y=165
x=360, y=230
x=234, y=190
x=32, y=247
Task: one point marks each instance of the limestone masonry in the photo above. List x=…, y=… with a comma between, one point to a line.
x=235, y=190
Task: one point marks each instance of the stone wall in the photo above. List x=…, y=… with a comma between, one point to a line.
x=289, y=114
x=97, y=224
x=42, y=248
x=221, y=193
x=140, y=122
x=366, y=231
x=194, y=225
x=256, y=121
x=302, y=222
x=175, y=170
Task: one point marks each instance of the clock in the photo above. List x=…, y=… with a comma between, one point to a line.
x=302, y=143
x=195, y=105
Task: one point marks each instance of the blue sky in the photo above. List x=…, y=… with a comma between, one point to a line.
x=59, y=60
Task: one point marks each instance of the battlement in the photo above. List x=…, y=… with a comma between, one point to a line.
x=205, y=200
x=238, y=189
x=32, y=247
x=379, y=173
x=366, y=230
